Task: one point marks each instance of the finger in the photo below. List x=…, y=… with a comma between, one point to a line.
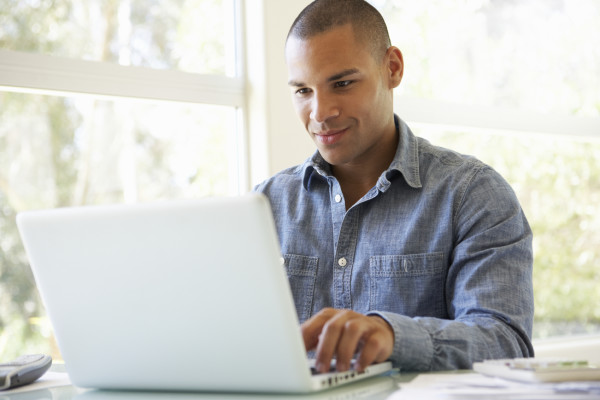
x=372, y=351
x=328, y=341
x=311, y=330
x=378, y=345
x=312, y=327
x=353, y=331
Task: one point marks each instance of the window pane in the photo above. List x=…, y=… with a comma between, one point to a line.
x=60, y=151
x=536, y=55
x=189, y=35
x=558, y=185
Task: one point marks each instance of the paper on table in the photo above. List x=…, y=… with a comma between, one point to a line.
x=48, y=380
x=476, y=386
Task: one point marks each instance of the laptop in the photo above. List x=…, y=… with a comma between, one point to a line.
x=187, y=295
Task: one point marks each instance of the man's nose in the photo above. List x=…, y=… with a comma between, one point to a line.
x=323, y=107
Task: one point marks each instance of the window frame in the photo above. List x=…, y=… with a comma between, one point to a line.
x=496, y=119
x=51, y=74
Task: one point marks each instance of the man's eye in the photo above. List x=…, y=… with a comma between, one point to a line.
x=342, y=83
x=302, y=91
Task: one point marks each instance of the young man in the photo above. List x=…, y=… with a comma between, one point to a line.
x=395, y=249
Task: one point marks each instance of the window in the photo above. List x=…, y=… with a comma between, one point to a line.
x=110, y=101
x=515, y=84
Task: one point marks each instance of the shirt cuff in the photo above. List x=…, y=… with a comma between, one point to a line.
x=413, y=346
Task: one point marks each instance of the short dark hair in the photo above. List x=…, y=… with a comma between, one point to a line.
x=367, y=23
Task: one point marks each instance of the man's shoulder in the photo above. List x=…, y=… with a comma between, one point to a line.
x=447, y=168
x=291, y=177
x=422, y=162
x=446, y=157
x=445, y=161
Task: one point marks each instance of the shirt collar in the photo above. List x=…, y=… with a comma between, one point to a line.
x=314, y=168
x=406, y=162
x=406, y=159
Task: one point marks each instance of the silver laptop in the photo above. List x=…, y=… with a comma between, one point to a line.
x=179, y=295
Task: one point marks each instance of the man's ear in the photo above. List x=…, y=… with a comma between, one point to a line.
x=395, y=66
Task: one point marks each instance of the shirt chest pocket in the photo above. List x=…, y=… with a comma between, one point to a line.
x=302, y=273
x=411, y=285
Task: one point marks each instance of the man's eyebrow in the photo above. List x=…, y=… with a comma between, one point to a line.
x=343, y=74
x=332, y=78
x=294, y=83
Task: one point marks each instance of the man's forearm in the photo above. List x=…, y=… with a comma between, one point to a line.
x=428, y=344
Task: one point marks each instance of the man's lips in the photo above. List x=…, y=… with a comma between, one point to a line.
x=330, y=136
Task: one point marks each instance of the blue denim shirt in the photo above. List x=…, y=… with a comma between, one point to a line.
x=439, y=247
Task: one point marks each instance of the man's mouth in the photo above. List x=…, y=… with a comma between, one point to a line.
x=330, y=136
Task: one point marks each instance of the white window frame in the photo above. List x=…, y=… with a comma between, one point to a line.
x=495, y=119
x=51, y=74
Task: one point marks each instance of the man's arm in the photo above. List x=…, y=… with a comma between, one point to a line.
x=488, y=289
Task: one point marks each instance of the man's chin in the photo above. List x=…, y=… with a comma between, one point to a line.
x=332, y=158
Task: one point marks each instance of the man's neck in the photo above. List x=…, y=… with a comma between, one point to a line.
x=356, y=179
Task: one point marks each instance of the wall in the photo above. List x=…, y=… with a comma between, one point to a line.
x=277, y=139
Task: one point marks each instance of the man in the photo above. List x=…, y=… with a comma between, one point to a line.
x=395, y=249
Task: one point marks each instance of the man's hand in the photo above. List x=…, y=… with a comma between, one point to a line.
x=342, y=333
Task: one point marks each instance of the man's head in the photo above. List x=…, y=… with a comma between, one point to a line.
x=342, y=72
x=323, y=15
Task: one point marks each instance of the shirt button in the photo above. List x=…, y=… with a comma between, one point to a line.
x=342, y=262
x=338, y=198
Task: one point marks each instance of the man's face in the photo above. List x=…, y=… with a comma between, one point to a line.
x=342, y=95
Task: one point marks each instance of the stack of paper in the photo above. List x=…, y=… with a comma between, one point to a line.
x=476, y=386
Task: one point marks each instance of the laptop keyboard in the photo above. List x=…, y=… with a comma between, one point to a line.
x=332, y=369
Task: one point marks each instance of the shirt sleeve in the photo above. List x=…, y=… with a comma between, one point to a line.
x=488, y=286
